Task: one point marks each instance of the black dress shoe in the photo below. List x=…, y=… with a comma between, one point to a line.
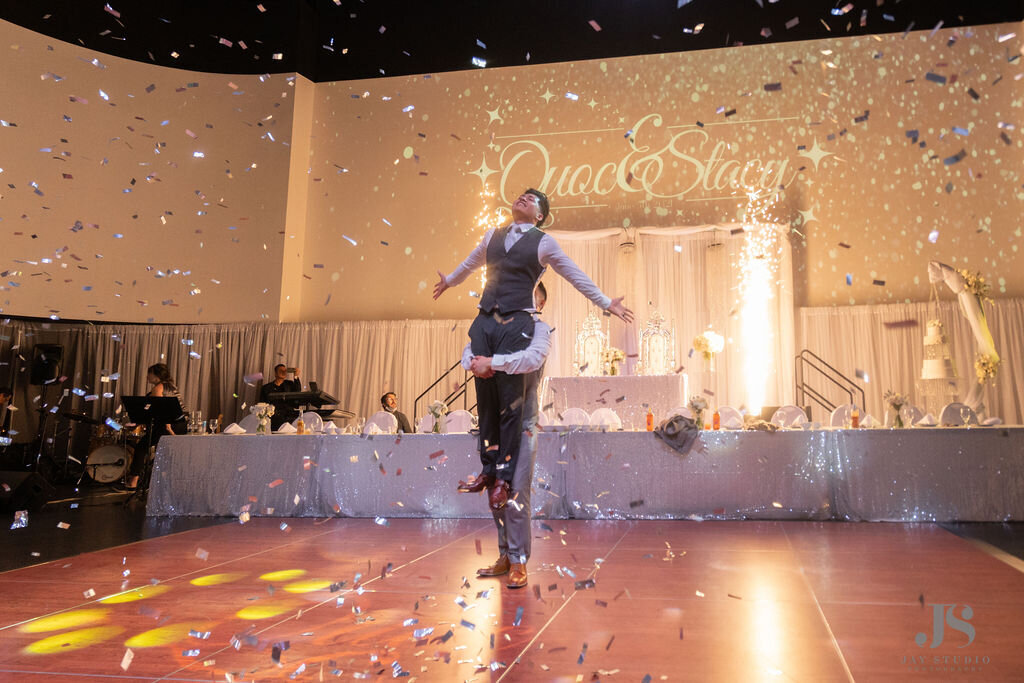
x=482, y=482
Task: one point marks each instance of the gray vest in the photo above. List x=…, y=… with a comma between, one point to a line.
x=511, y=275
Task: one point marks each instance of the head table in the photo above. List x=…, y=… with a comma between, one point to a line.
x=936, y=474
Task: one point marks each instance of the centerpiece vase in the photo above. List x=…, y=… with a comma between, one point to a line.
x=262, y=426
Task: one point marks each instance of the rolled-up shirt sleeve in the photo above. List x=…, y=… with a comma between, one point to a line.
x=529, y=359
x=476, y=258
x=550, y=254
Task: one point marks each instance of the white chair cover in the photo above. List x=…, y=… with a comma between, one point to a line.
x=605, y=418
x=575, y=417
x=910, y=414
x=728, y=415
x=249, y=423
x=789, y=416
x=312, y=421
x=425, y=424
x=543, y=420
x=385, y=422
x=841, y=414
x=682, y=410
x=459, y=422
x=950, y=416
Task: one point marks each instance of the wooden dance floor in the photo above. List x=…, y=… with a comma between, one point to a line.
x=641, y=601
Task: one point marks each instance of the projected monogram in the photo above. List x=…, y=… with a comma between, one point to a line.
x=681, y=162
x=943, y=615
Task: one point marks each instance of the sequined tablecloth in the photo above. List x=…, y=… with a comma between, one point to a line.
x=865, y=474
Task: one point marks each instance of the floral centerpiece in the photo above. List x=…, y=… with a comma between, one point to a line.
x=698, y=404
x=438, y=409
x=975, y=284
x=986, y=367
x=612, y=358
x=895, y=402
x=262, y=411
x=708, y=343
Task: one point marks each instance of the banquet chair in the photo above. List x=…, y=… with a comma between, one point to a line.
x=385, y=422
x=606, y=419
x=312, y=421
x=425, y=424
x=728, y=415
x=459, y=422
x=249, y=423
x=681, y=410
x=575, y=417
x=542, y=419
x=950, y=416
x=841, y=415
x=788, y=416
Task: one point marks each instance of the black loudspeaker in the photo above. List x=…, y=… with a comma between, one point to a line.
x=23, y=491
x=46, y=359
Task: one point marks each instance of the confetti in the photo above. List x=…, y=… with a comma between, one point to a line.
x=126, y=661
x=597, y=27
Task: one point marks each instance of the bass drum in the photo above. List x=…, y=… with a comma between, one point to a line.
x=106, y=464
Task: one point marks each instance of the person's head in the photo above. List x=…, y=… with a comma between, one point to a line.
x=531, y=207
x=5, y=395
x=389, y=401
x=540, y=296
x=280, y=371
x=159, y=373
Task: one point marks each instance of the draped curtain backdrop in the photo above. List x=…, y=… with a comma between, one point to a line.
x=887, y=343
x=691, y=276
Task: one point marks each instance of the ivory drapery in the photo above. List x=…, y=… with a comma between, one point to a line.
x=855, y=338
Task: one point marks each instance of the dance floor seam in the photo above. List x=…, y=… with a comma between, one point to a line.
x=622, y=600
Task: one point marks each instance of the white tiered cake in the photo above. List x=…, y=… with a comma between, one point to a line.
x=938, y=373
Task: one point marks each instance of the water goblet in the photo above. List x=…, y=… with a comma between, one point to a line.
x=965, y=415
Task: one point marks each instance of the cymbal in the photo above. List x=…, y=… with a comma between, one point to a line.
x=79, y=417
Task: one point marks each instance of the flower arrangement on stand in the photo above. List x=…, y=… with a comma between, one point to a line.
x=708, y=343
x=976, y=285
x=263, y=412
x=612, y=358
x=438, y=409
x=698, y=404
x=895, y=402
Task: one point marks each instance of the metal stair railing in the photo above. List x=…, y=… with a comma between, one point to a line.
x=461, y=390
x=808, y=360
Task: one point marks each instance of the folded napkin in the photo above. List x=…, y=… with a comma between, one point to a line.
x=869, y=422
x=330, y=428
x=233, y=428
x=287, y=428
x=733, y=423
x=992, y=422
x=927, y=421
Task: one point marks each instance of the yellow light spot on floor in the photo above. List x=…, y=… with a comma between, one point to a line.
x=307, y=586
x=284, y=575
x=164, y=635
x=216, y=579
x=267, y=610
x=72, y=640
x=59, y=622
x=136, y=594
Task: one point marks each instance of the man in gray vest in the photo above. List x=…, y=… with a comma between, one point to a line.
x=513, y=521
x=516, y=257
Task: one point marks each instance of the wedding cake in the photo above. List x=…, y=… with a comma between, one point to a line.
x=937, y=361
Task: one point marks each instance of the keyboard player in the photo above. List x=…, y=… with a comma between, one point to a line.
x=279, y=385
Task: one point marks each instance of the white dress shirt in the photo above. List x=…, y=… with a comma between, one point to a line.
x=548, y=253
x=528, y=360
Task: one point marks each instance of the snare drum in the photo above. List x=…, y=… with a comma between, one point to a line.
x=106, y=464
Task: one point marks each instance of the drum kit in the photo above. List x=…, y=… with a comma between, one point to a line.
x=109, y=447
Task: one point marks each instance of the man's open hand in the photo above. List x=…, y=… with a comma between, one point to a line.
x=618, y=309
x=440, y=286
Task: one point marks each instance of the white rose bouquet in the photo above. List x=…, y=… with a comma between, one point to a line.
x=262, y=411
x=438, y=409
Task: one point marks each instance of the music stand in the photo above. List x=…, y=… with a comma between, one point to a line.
x=150, y=411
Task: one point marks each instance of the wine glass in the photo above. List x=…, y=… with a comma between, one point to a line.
x=360, y=423
x=214, y=424
x=965, y=415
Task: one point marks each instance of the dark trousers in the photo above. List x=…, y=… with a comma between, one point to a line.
x=140, y=454
x=500, y=398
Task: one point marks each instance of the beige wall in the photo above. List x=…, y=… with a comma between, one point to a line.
x=97, y=147
x=398, y=166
